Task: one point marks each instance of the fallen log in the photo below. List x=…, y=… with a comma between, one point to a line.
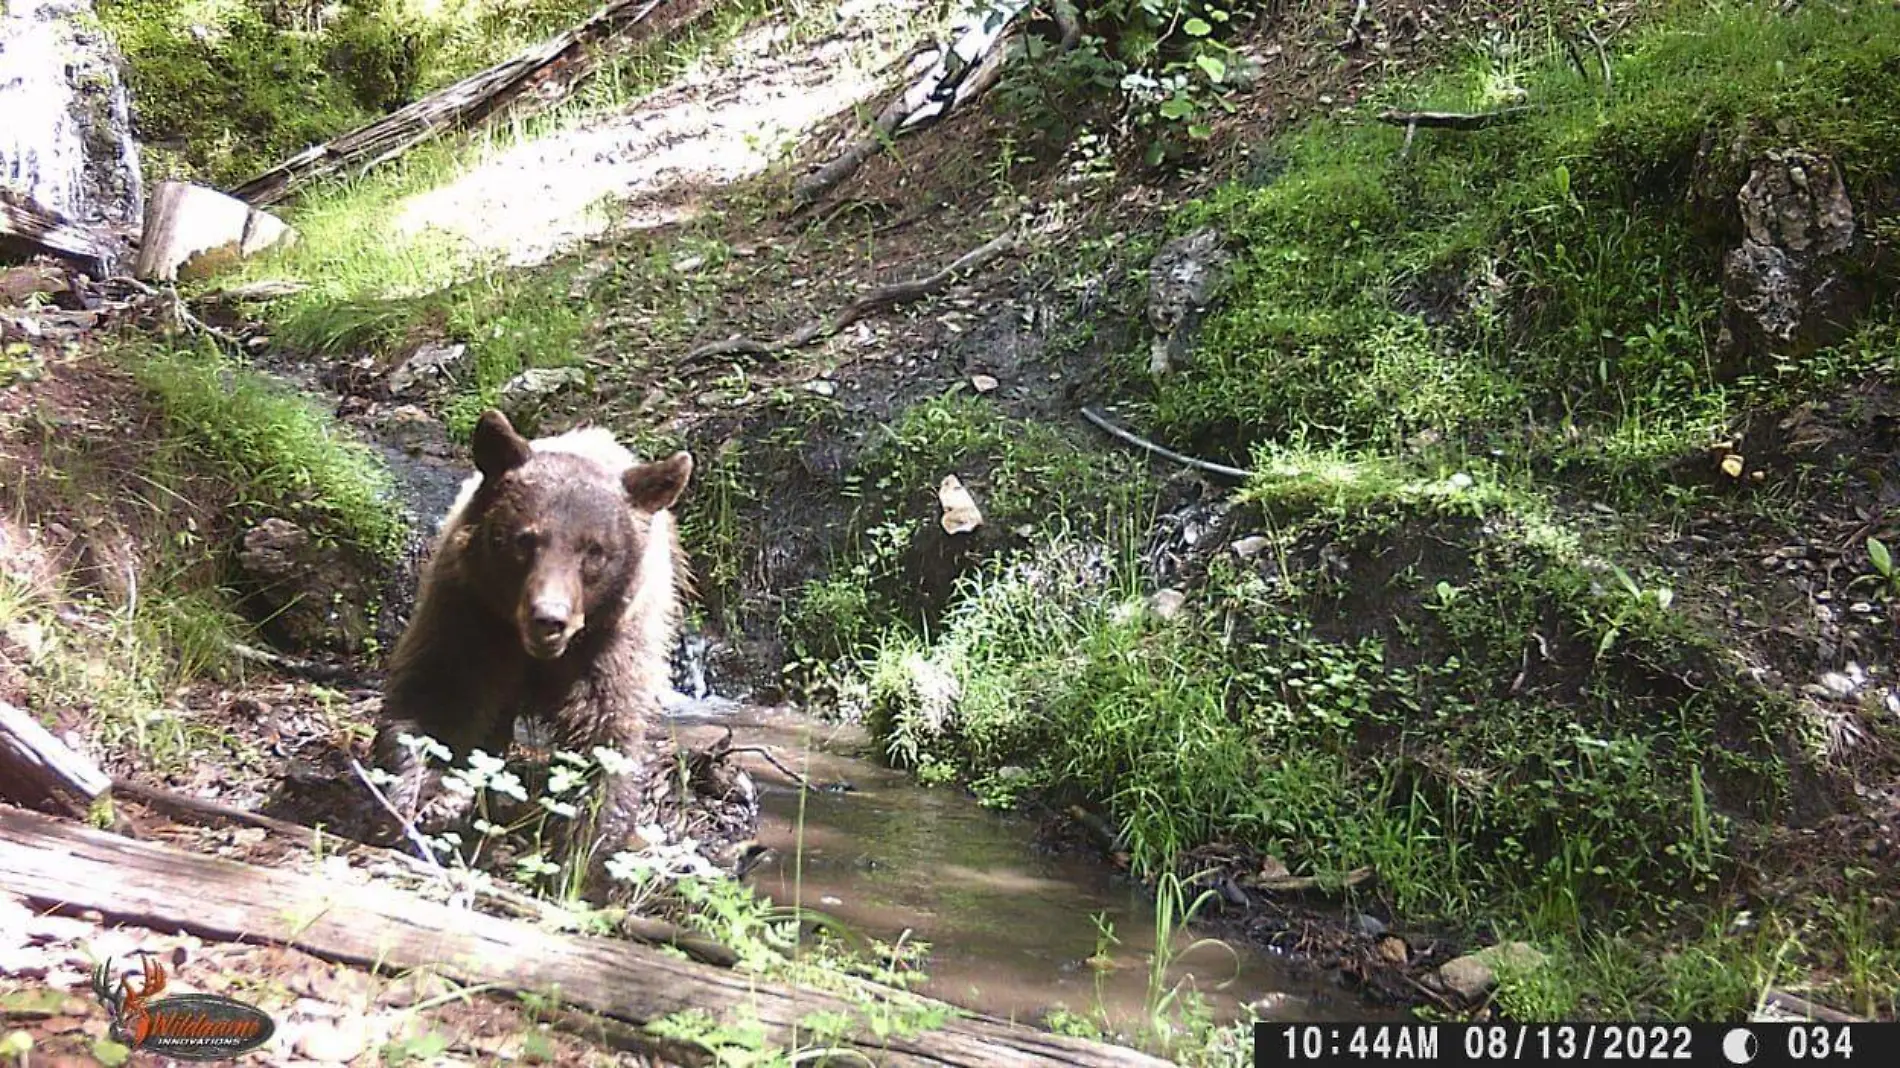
x=546, y=73
x=154, y=885
x=29, y=229
x=37, y=768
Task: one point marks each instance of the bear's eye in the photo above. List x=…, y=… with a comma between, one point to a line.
x=524, y=542
x=595, y=554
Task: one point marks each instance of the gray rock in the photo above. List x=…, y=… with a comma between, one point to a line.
x=529, y=391
x=1185, y=278
x=1471, y=975
x=429, y=365
x=333, y=1043
x=1787, y=289
x=1368, y=926
x=1167, y=603
x=314, y=595
x=1251, y=546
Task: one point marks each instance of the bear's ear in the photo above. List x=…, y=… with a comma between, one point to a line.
x=654, y=487
x=498, y=449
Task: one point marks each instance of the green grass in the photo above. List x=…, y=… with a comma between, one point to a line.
x=282, y=452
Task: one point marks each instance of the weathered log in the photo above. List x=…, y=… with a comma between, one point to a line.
x=36, y=767
x=191, y=231
x=542, y=76
x=28, y=228
x=159, y=886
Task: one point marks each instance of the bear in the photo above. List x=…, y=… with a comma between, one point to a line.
x=552, y=591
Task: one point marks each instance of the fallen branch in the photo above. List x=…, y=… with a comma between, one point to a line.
x=1603, y=57
x=1100, y=420
x=1453, y=120
x=1353, y=34
x=549, y=71
x=970, y=67
x=160, y=886
x=313, y=670
x=891, y=294
x=1303, y=884
x=27, y=228
x=37, y=767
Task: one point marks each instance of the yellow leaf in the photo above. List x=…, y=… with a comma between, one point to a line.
x=1732, y=465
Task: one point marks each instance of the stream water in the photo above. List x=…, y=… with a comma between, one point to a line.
x=1012, y=927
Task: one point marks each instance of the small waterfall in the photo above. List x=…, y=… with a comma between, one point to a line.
x=65, y=125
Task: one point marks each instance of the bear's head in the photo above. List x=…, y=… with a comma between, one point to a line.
x=557, y=538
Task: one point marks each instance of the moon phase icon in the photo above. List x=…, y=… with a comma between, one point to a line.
x=1739, y=1046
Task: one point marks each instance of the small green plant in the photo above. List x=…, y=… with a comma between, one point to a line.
x=1885, y=575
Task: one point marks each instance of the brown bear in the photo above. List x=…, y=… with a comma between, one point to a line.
x=552, y=592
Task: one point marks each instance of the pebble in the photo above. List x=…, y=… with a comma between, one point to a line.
x=1167, y=603
x=337, y=1043
x=1368, y=926
x=1394, y=950
x=1249, y=547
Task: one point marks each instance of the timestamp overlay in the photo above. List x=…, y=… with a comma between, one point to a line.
x=1335, y=1045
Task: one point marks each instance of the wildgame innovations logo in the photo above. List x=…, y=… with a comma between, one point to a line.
x=190, y=1027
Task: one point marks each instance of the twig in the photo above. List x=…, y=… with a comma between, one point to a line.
x=1603, y=57
x=408, y=829
x=881, y=296
x=1801, y=1006
x=1353, y=36
x=1453, y=120
x=798, y=779
x=1440, y=999
x=1300, y=884
x=1139, y=442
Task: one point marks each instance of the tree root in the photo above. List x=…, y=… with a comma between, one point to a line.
x=891, y=294
x=1100, y=420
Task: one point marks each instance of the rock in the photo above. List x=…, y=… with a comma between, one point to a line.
x=67, y=140
x=1167, y=603
x=1367, y=926
x=414, y=431
x=335, y=1043
x=983, y=383
x=1471, y=975
x=18, y=284
x=1787, y=289
x=534, y=387
x=1185, y=278
x=1393, y=950
x=960, y=514
x=428, y=365
x=313, y=596
x=1251, y=546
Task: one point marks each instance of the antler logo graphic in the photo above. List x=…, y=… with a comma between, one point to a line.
x=196, y=1027
x=131, y=1019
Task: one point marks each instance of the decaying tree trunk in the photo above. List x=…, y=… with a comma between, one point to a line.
x=156, y=885
x=192, y=230
x=36, y=767
x=29, y=229
x=545, y=74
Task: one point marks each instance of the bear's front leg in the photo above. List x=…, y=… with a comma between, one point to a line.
x=609, y=706
x=444, y=684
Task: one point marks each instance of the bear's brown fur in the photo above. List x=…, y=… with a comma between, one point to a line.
x=553, y=593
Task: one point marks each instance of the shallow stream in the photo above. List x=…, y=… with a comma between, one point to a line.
x=1012, y=927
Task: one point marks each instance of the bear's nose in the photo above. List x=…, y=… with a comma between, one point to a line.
x=550, y=619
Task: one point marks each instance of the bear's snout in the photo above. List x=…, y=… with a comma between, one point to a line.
x=549, y=620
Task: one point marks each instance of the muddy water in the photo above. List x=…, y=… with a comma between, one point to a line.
x=1012, y=929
